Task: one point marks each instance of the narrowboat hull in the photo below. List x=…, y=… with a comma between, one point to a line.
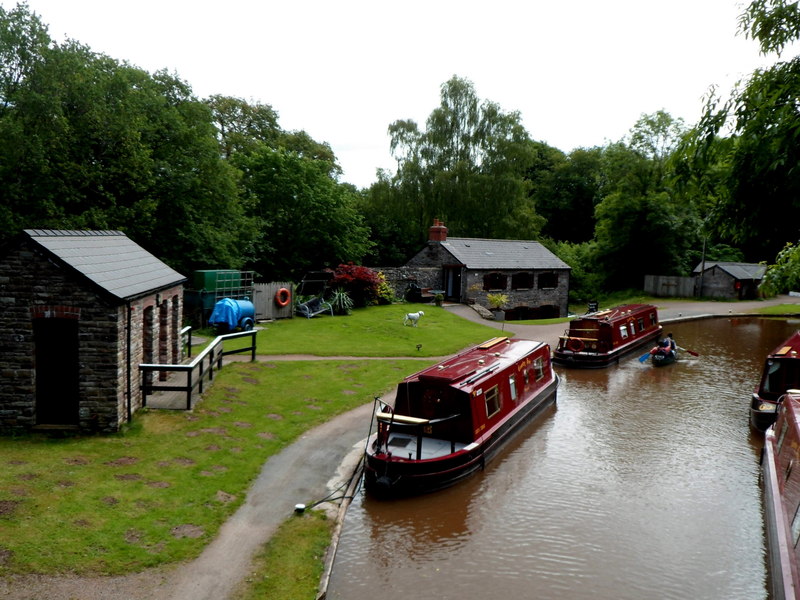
x=779, y=492
x=395, y=479
x=605, y=337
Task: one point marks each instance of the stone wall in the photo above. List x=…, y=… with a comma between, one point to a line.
x=34, y=287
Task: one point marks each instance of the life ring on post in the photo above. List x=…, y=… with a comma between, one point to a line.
x=575, y=344
x=283, y=297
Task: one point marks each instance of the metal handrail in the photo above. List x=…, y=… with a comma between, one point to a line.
x=210, y=352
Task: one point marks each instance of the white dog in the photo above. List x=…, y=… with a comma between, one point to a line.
x=412, y=318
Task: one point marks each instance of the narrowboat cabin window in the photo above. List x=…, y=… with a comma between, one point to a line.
x=789, y=468
x=522, y=281
x=492, y=402
x=494, y=281
x=641, y=323
x=623, y=332
x=512, y=383
x=538, y=367
x=548, y=281
x=653, y=319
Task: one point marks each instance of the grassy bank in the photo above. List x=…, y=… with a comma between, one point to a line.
x=157, y=492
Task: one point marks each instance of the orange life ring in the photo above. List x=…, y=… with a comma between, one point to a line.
x=575, y=344
x=283, y=297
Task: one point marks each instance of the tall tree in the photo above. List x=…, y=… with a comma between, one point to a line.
x=467, y=167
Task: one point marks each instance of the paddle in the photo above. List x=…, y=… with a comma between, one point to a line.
x=692, y=352
x=644, y=357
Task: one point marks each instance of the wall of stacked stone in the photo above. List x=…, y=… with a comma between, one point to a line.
x=399, y=278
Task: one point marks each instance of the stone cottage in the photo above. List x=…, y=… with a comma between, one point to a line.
x=466, y=270
x=80, y=311
x=729, y=280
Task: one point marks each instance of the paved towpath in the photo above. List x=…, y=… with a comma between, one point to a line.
x=308, y=470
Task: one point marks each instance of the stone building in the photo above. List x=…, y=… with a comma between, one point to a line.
x=466, y=270
x=728, y=280
x=80, y=310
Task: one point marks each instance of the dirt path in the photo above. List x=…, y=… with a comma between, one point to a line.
x=306, y=471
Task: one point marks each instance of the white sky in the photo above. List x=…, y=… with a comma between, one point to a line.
x=580, y=72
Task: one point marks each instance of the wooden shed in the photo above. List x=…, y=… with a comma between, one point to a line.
x=80, y=311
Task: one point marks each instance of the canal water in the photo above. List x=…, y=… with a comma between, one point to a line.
x=642, y=483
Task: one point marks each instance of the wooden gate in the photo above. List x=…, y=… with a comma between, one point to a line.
x=265, y=301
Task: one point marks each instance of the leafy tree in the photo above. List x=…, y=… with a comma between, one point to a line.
x=466, y=167
x=784, y=275
x=757, y=164
x=307, y=219
x=88, y=142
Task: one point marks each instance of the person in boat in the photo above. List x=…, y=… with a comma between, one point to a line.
x=664, y=346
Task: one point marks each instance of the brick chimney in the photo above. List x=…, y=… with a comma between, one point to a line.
x=437, y=232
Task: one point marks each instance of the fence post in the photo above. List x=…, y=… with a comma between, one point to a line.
x=189, y=389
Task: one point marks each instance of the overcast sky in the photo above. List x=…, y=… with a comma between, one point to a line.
x=580, y=72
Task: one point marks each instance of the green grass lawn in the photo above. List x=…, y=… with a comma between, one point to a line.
x=157, y=492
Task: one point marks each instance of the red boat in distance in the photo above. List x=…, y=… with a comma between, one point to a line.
x=601, y=338
x=781, y=372
x=781, y=496
x=450, y=419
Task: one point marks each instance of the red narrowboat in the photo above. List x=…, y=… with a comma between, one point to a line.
x=450, y=419
x=601, y=338
x=781, y=372
x=781, y=490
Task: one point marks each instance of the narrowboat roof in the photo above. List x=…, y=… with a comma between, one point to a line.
x=789, y=348
x=471, y=367
x=618, y=313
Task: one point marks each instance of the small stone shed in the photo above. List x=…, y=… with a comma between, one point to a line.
x=80, y=310
x=465, y=270
x=729, y=280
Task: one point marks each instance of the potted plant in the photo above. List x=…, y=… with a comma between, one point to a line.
x=496, y=302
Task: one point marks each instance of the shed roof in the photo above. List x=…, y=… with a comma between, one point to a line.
x=109, y=259
x=476, y=253
x=736, y=270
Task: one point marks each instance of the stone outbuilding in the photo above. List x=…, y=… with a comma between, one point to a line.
x=729, y=280
x=80, y=311
x=535, y=281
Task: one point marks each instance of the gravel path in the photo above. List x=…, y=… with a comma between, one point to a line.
x=309, y=470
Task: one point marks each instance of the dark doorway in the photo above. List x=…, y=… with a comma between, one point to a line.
x=56, y=364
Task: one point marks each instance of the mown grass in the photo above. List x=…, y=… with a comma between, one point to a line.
x=375, y=331
x=158, y=492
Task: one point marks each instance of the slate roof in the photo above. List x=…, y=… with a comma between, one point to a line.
x=476, y=253
x=109, y=259
x=736, y=270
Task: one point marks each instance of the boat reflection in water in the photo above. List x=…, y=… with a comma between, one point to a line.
x=642, y=484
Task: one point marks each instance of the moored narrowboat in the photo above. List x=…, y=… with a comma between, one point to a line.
x=601, y=338
x=781, y=493
x=450, y=419
x=781, y=372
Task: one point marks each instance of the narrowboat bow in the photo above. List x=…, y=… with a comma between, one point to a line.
x=781, y=372
x=450, y=419
x=601, y=338
x=781, y=494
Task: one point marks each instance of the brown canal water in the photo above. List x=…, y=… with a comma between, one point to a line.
x=642, y=483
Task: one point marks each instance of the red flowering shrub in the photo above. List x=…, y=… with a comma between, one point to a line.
x=360, y=283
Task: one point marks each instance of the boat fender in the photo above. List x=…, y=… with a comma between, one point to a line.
x=575, y=345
